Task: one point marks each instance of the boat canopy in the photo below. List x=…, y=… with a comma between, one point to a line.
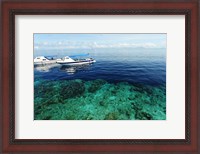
x=79, y=55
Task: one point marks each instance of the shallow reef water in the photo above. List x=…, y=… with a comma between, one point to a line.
x=97, y=100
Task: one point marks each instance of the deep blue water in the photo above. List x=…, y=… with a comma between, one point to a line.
x=133, y=65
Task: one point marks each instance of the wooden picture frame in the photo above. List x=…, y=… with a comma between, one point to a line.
x=187, y=8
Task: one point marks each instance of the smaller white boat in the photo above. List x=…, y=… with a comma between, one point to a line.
x=75, y=60
x=42, y=60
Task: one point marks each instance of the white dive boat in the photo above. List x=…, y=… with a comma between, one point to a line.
x=42, y=60
x=75, y=60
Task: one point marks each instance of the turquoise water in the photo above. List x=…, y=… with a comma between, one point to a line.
x=124, y=84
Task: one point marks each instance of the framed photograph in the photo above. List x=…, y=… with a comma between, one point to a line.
x=100, y=76
x=114, y=76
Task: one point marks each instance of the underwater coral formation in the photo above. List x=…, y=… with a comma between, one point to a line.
x=72, y=89
x=96, y=84
x=97, y=100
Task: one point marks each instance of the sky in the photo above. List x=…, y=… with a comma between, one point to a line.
x=84, y=41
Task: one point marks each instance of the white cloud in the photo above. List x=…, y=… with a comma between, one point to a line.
x=45, y=43
x=88, y=45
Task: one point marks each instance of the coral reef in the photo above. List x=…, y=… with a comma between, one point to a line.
x=97, y=100
x=72, y=89
x=96, y=85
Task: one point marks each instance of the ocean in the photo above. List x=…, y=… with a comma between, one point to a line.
x=123, y=84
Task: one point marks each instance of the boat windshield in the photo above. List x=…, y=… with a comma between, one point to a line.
x=50, y=57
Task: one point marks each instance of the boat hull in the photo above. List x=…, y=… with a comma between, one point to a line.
x=75, y=63
x=44, y=63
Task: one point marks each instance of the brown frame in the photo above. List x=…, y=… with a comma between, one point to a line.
x=189, y=8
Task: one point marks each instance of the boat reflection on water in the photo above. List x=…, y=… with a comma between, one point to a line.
x=74, y=69
x=45, y=68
